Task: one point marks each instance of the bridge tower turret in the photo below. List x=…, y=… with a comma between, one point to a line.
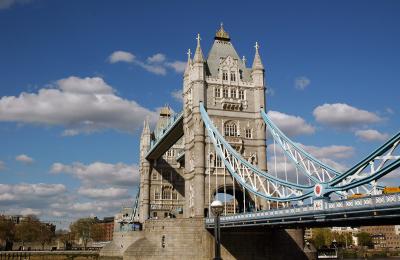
x=144, y=169
x=257, y=74
x=194, y=132
x=233, y=96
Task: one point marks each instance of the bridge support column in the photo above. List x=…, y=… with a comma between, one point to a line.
x=199, y=169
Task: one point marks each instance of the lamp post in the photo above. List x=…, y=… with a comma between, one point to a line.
x=217, y=207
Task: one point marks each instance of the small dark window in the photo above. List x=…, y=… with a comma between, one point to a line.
x=217, y=92
x=225, y=92
x=233, y=76
x=224, y=75
x=233, y=93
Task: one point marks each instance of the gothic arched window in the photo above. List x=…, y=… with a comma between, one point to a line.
x=230, y=129
x=233, y=76
x=224, y=75
x=166, y=193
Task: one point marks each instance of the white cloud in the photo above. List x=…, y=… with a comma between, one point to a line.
x=25, y=159
x=332, y=151
x=99, y=193
x=100, y=173
x=156, y=64
x=29, y=211
x=291, y=125
x=371, y=135
x=2, y=165
x=156, y=58
x=343, y=116
x=30, y=194
x=157, y=69
x=178, y=66
x=389, y=111
x=121, y=56
x=4, y=4
x=330, y=155
x=301, y=82
x=177, y=95
x=81, y=105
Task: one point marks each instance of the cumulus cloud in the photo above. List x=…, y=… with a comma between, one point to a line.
x=81, y=105
x=156, y=58
x=99, y=193
x=158, y=69
x=29, y=211
x=2, y=165
x=178, y=66
x=291, y=125
x=4, y=4
x=332, y=151
x=121, y=56
x=177, y=95
x=371, y=135
x=331, y=155
x=301, y=82
x=25, y=159
x=344, y=116
x=29, y=194
x=100, y=173
x=156, y=64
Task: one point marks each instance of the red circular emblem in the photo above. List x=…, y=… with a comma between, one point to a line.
x=318, y=190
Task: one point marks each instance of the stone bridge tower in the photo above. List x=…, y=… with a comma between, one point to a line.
x=233, y=96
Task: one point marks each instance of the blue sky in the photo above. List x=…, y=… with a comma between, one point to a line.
x=69, y=144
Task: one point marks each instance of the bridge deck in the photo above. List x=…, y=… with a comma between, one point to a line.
x=381, y=209
x=168, y=139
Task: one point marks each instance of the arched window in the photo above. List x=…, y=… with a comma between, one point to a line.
x=166, y=193
x=224, y=75
x=233, y=76
x=230, y=129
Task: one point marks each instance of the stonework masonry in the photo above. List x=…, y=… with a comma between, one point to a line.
x=175, y=194
x=188, y=239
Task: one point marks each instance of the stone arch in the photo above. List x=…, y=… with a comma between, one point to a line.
x=244, y=201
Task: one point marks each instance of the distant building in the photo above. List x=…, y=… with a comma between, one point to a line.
x=230, y=207
x=107, y=224
x=350, y=230
x=384, y=236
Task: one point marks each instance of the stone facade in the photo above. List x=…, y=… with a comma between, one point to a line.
x=187, y=238
x=173, y=223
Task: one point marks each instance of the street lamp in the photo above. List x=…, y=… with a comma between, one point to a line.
x=217, y=207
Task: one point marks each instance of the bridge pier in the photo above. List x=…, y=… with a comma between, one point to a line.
x=188, y=239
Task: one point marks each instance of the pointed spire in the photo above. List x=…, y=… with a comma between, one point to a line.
x=189, y=62
x=257, y=64
x=146, y=128
x=244, y=60
x=198, y=55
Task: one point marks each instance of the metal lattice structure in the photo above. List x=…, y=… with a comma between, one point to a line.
x=323, y=179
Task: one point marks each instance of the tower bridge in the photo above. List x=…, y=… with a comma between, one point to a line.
x=216, y=148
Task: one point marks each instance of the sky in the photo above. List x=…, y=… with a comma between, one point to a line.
x=77, y=79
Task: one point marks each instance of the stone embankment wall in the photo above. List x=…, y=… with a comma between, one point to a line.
x=188, y=239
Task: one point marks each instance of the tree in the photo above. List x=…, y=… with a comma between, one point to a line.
x=343, y=239
x=46, y=234
x=28, y=230
x=81, y=229
x=7, y=232
x=65, y=237
x=365, y=239
x=322, y=237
